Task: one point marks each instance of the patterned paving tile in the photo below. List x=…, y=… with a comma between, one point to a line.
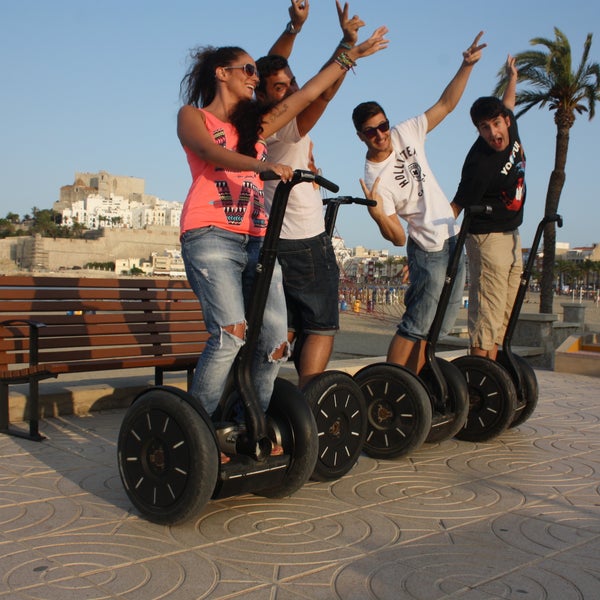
x=515, y=517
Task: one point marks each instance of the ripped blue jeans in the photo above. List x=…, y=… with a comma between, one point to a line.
x=220, y=267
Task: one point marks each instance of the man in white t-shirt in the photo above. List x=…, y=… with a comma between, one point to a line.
x=305, y=252
x=399, y=177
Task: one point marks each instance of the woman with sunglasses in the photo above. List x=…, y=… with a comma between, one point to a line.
x=399, y=177
x=223, y=221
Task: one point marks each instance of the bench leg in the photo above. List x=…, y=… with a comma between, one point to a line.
x=33, y=401
x=34, y=410
x=3, y=407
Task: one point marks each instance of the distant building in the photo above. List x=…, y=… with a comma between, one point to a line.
x=581, y=254
x=169, y=262
x=124, y=266
x=107, y=184
x=101, y=200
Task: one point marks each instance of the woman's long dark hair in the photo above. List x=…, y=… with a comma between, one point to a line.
x=198, y=88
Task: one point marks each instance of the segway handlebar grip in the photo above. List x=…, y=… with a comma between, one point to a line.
x=362, y=201
x=268, y=175
x=328, y=185
x=480, y=209
x=554, y=219
x=301, y=175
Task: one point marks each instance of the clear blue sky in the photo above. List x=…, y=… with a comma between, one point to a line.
x=91, y=85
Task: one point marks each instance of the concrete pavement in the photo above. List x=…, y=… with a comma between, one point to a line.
x=517, y=517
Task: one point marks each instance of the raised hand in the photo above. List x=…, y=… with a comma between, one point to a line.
x=298, y=13
x=511, y=67
x=349, y=26
x=473, y=53
x=374, y=44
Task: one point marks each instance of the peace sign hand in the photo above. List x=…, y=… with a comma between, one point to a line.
x=473, y=53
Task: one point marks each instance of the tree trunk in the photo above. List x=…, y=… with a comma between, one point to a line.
x=555, y=186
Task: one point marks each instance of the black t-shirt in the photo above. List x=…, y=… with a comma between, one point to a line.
x=496, y=179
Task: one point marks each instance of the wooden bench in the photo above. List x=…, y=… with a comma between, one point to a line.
x=55, y=325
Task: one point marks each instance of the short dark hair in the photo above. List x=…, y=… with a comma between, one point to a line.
x=486, y=108
x=364, y=111
x=266, y=66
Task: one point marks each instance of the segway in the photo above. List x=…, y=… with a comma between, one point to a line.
x=502, y=393
x=336, y=401
x=445, y=384
x=520, y=371
x=168, y=446
x=399, y=414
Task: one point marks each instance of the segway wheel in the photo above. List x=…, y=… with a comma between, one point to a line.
x=528, y=399
x=168, y=456
x=294, y=427
x=492, y=398
x=398, y=410
x=447, y=423
x=340, y=412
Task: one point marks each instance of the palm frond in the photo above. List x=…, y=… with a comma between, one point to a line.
x=550, y=79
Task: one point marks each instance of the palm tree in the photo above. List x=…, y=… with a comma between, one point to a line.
x=587, y=267
x=562, y=268
x=596, y=271
x=566, y=92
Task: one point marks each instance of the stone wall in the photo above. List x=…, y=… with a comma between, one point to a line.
x=39, y=253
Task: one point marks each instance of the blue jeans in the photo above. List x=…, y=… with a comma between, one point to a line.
x=310, y=280
x=220, y=267
x=427, y=274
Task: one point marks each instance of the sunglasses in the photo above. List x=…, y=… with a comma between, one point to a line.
x=249, y=70
x=372, y=131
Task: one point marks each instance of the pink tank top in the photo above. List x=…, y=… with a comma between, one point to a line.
x=231, y=200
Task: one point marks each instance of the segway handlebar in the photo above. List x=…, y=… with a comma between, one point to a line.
x=553, y=219
x=333, y=204
x=301, y=175
x=350, y=200
x=486, y=209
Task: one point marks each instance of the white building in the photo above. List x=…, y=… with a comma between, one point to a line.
x=96, y=211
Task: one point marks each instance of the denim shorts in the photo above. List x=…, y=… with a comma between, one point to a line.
x=310, y=282
x=220, y=267
x=427, y=275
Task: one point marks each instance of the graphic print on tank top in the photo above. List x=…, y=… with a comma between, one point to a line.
x=250, y=194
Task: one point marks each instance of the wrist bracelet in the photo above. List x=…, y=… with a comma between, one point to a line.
x=345, y=45
x=345, y=62
x=289, y=28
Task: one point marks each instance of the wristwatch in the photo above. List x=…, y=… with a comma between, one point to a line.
x=289, y=28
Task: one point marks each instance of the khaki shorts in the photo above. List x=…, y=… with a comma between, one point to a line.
x=495, y=268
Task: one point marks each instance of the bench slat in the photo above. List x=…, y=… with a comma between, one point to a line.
x=35, y=281
x=54, y=294
x=93, y=329
x=64, y=306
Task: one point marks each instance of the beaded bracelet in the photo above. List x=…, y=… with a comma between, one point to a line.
x=345, y=45
x=345, y=62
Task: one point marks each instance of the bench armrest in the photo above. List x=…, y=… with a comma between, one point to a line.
x=30, y=322
x=34, y=327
